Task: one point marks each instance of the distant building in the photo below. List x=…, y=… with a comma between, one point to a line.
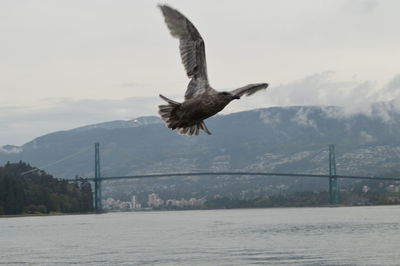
x=135, y=204
x=184, y=203
x=112, y=204
x=154, y=200
x=393, y=188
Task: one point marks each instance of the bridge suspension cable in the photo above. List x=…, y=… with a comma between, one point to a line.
x=58, y=161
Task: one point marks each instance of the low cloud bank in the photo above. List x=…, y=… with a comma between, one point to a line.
x=21, y=124
x=326, y=89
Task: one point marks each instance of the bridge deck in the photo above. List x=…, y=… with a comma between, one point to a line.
x=241, y=174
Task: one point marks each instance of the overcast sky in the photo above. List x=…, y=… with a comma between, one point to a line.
x=69, y=63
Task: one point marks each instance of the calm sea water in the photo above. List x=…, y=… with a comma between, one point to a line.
x=282, y=236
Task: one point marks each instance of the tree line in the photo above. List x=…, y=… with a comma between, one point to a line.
x=27, y=190
x=371, y=192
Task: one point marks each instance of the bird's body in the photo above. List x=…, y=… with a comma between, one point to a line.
x=202, y=107
x=201, y=100
x=188, y=116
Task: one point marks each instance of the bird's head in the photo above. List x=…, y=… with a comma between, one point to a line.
x=227, y=96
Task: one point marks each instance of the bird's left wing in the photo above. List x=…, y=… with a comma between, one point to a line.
x=191, y=45
x=249, y=89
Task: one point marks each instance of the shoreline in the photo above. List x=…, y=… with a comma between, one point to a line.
x=42, y=214
x=165, y=210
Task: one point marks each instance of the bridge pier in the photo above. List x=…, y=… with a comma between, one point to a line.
x=97, y=179
x=333, y=182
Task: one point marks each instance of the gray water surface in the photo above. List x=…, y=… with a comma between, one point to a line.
x=281, y=236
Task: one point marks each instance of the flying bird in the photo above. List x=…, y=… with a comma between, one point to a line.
x=201, y=100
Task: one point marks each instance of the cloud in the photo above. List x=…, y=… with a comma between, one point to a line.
x=131, y=85
x=10, y=149
x=362, y=6
x=327, y=89
x=321, y=89
x=394, y=84
x=270, y=117
x=391, y=92
x=302, y=118
x=366, y=137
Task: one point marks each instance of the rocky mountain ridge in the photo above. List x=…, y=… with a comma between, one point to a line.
x=271, y=139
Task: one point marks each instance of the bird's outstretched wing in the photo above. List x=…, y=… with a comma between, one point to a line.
x=191, y=47
x=249, y=89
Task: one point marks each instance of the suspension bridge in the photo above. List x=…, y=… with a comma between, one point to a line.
x=332, y=177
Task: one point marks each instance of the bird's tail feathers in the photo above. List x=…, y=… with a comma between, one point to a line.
x=204, y=128
x=168, y=112
x=171, y=102
x=169, y=116
x=193, y=130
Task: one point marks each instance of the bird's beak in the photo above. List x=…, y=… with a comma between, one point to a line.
x=236, y=97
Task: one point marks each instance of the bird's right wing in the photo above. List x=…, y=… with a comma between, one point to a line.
x=249, y=89
x=191, y=47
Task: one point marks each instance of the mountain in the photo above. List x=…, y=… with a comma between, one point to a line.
x=278, y=139
x=141, y=121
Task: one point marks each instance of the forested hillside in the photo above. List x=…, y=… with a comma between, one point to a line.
x=26, y=190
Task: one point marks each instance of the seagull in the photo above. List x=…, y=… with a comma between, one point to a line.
x=201, y=100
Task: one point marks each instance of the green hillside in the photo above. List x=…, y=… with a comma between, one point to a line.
x=26, y=190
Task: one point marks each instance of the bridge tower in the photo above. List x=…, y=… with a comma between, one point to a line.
x=333, y=183
x=97, y=178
